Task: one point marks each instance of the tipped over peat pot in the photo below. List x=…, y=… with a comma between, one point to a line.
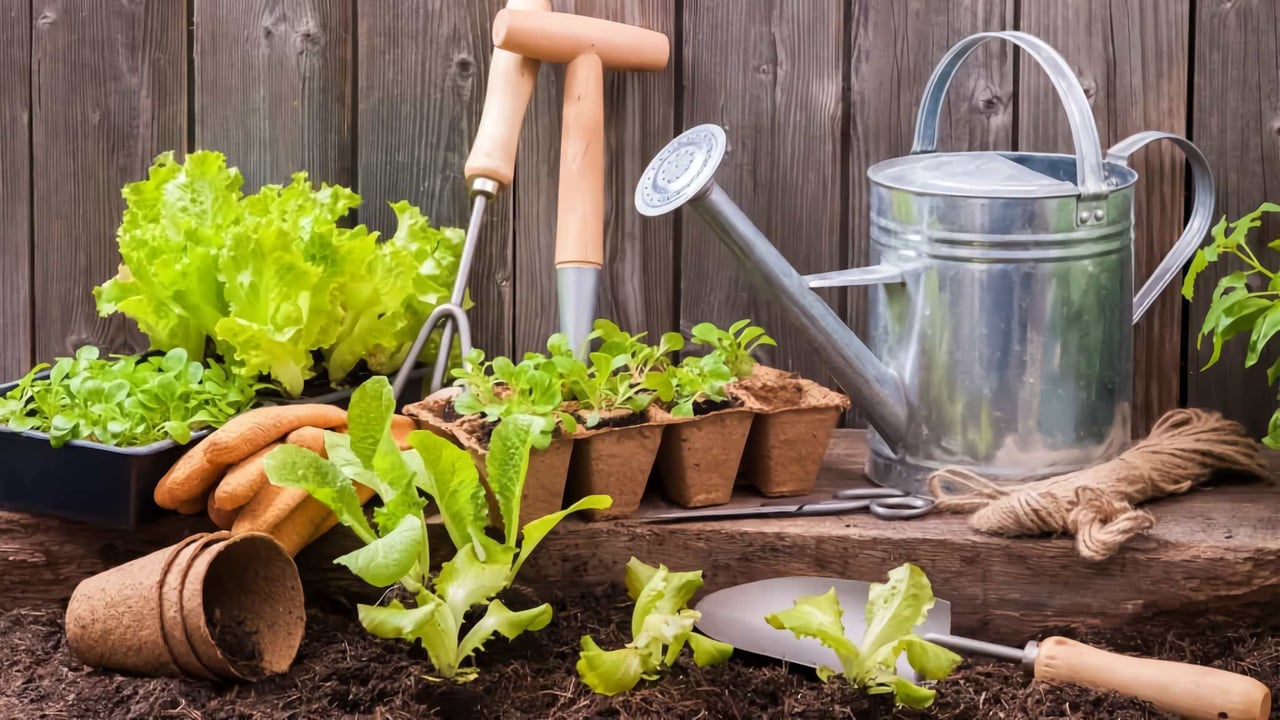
x=614, y=459
x=213, y=606
x=548, y=468
x=794, y=419
x=86, y=481
x=699, y=457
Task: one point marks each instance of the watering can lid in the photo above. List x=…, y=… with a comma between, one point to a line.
x=968, y=174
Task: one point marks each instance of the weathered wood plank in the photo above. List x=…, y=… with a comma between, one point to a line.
x=15, y=190
x=1215, y=549
x=637, y=288
x=108, y=94
x=771, y=74
x=273, y=87
x=421, y=79
x=1132, y=58
x=1237, y=124
x=894, y=49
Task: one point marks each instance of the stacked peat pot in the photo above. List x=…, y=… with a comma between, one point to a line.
x=629, y=409
x=213, y=606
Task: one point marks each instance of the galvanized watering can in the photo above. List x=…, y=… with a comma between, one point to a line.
x=1000, y=296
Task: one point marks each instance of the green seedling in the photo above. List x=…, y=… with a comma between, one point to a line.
x=696, y=379
x=661, y=625
x=735, y=345
x=893, y=609
x=1237, y=307
x=454, y=612
x=126, y=401
x=502, y=389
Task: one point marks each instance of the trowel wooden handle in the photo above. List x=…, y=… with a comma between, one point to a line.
x=561, y=37
x=580, y=206
x=1191, y=691
x=511, y=80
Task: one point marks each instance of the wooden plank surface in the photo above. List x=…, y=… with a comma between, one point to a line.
x=1214, y=550
x=15, y=190
x=1132, y=59
x=1237, y=125
x=772, y=75
x=420, y=88
x=894, y=49
x=108, y=83
x=273, y=87
x=637, y=287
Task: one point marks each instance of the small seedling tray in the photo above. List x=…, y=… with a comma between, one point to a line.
x=86, y=481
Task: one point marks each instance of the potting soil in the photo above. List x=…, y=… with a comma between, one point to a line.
x=344, y=672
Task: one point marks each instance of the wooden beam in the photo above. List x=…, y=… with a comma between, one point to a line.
x=15, y=190
x=1213, y=550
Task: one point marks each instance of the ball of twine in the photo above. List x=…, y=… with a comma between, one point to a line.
x=1097, y=504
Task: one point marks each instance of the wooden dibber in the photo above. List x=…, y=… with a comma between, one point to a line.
x=586, y=46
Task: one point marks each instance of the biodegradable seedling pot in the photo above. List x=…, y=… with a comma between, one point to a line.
x=794, y=418
x=613, y=461
x=545, y=479
x=113, y=618
x=171, y=622
x=699, y=456
x=242, y=607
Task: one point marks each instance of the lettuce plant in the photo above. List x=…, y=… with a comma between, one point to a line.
x=696, y=379
x=735, y=345
x=893, y=609
x=271, y=281
x=612, y=378
x=501, y=388
x=454, y=612
x=1236, y=308
x=125, y=401
x=661, y=625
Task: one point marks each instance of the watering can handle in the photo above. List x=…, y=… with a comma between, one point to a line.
x=1197, y=225
x=1084, y=133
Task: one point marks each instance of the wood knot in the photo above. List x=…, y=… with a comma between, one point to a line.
x=990, y=103
x=308, y=41
x=765, y=70
x=464, y=65
x=48, y=17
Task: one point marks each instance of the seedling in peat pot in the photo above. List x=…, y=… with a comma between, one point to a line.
x=893, y=609
x=660, y=620
x=735, y=345
x=501, y=389
x=395, y=545
x=695, y=380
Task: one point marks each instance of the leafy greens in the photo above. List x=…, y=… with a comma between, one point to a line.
x=395, y=546
x=893, y=609
x=125, y=401
x=271, y=280
x=661, y=625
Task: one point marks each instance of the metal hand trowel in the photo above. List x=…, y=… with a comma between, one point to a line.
x=736, y=615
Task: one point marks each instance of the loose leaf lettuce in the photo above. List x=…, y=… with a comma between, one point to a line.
x=893, y=609
x=396, y=546
x=125, y=401
x=271, y=280
x=661, y=625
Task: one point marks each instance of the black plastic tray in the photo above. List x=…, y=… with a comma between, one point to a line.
x=82, y=480
x=412, y=393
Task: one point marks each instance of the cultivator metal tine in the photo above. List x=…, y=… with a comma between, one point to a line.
x=444, y=313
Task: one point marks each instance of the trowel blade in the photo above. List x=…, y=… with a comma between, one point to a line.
x=736, y=615
x=576, y=290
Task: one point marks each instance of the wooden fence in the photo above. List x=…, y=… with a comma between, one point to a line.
x=384, y=95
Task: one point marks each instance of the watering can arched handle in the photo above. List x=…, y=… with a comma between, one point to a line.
x=1084, y=133
x=1198, y=223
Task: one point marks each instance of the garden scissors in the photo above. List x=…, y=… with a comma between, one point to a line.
x=884, y=503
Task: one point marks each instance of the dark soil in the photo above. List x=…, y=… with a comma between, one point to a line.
x=343, y=672
x=239, y=644
x=618, y=418
x=706, y=407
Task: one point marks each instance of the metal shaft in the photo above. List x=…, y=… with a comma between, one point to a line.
x=1026, y=656
x=852, y=364
x=460, y=282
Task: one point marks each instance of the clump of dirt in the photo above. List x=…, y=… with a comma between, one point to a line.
x=344, y=672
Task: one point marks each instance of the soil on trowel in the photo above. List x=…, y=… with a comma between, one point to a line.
x=343, y=672
x=237, y=642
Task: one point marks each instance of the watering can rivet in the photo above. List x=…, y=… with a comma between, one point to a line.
x=1099, y=214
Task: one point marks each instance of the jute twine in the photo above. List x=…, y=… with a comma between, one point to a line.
x=1096, y=504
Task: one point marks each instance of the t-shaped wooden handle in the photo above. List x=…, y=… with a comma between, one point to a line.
x=561, y=37
x=511, y=80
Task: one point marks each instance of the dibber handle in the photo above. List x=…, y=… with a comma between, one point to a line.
x=1192, y=691
x=511, y=81
x=580, y=206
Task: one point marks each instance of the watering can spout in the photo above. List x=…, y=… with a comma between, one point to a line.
x=683, y=174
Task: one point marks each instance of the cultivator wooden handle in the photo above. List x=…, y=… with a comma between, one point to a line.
x=1191, y=691
x=511, y=81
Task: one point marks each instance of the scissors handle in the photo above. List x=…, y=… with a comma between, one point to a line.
x=903, y=507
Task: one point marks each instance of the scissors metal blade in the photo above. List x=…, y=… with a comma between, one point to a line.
x=829, y=507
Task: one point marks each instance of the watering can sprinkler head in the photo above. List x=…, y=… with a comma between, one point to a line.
x=683, y=173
